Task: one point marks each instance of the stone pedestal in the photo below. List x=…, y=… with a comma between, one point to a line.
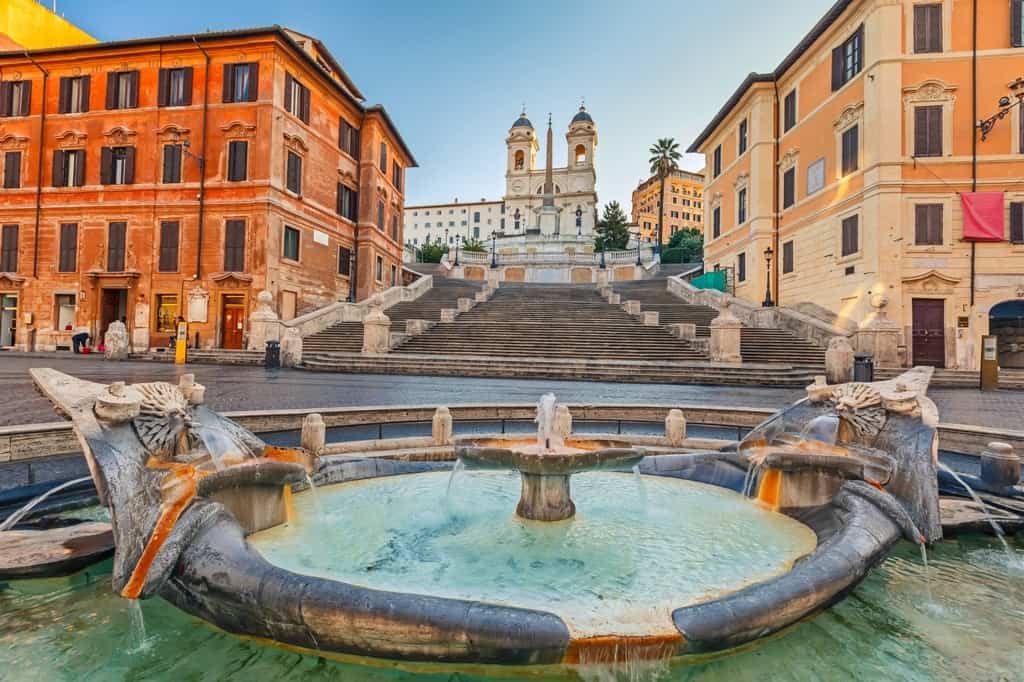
x=614, y=299
x=441, y=427
x=602, y=278
x=376, y=332
x=264, y=324
x=545, y=497
x=650, y=318
x=291, y=348
x=481, y=296
x=116, y=341
x=879, y=335
x=314, y=434
x=416, y=327
x=563, y=421
x=839, y=361
x=493, y=279
x=448, y=314
x=464, y=305
x=683, y=330
x=632, y=307
x=675, y=428
x=725, y=337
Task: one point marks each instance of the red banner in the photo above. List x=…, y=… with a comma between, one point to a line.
x=983, y=216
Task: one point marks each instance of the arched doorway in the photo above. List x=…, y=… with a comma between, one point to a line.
x=1006, y=321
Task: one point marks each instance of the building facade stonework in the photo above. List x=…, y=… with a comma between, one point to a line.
x=181, y=176
x=683, y=209
x=850, y=161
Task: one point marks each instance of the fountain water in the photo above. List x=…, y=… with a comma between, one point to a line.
x=999, y=532
x=456, y=470
x=136, y=627
x=546, y=435
x=17, y=516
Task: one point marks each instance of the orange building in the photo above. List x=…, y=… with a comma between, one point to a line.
x=850, y=161
x=182, y=175
x=684, y=199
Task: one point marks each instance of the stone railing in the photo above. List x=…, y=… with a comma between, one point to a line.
x=265, y=325
x=804, y=326
x=541, y=257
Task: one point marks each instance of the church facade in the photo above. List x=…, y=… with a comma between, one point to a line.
x=571, y=203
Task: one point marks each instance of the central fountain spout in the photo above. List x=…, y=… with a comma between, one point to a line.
x=546, y=465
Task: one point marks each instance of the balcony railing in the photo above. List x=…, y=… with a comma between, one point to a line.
x=610, y=257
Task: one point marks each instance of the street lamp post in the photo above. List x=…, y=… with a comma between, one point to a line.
x=352, y=275
x=446, y=242
x=516, y=216
x=494, y=253
x=638, y=248
x=457, y=240
x=768, y=303
x=1006, y=105
x=579, y=221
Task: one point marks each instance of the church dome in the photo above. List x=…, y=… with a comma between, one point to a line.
x=582, y=116
x=522, y=122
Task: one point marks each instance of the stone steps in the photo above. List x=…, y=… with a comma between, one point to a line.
x=553, y=368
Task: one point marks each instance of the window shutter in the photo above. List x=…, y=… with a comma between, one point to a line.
x=229, y=76
x=304, y=114
x=84, y=94
x=58, y=168
x=934, y=28
x=162, y=88
x=64, y=96
x=289, y=83
x=254, y=81
x=356, y=143
x=68, y=247
x=106, y=163
x=129, y=165
x=935, y=224
x=115, y=246
x=168, y=173
x=112, y=90
x=80, y=168
x=12, y=170
x=837, y=68
x=168, y=246
x=920, y=131
x=1017, y=222
x=26, y=97
x=5, y=98
x=188, y=86
x=1016, y=23
x=133, y=90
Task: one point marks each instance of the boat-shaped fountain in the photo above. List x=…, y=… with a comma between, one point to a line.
x=203, y=517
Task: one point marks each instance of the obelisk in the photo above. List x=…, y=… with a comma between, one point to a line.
x=548, y=217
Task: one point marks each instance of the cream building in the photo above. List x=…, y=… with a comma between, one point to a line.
x=684, y=205
x=850, y=162
x=469, y=220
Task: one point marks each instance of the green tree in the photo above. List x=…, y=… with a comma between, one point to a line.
x=664, y=161
x=473, y=245
x=612, y=233
x=690, y=243
x=431, y=253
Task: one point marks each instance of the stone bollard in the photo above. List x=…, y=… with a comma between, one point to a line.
x=481, y=296
x=632, y=307
x=725, y=336
x=563, y=421
x=291, y=348
x=416, y=327
x=314, y=434
x=441, y=426
x=1000, y=466
x=675, y=427
x=263, y=322
x=650, y=318
x=683, y=330
x=464, y=305
x=602, y=278
x=839, y=361
x=493, y=279
x=448, y=314
x=376, y=331
x=614, y=299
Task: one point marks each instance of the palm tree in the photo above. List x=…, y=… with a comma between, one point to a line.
x=664, y=161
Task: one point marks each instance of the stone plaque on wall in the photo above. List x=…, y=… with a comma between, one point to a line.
x=198, y=304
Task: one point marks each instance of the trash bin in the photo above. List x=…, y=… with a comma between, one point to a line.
x=272, y=356
x=863, y=367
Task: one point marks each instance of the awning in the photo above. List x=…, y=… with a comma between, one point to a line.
x=983, y=216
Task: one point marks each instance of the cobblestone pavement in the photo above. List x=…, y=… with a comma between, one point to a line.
x=240, y=388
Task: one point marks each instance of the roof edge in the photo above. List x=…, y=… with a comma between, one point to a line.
x=379, y=109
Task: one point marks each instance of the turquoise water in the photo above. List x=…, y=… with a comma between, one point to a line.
x=964, y=622
x=619, y=567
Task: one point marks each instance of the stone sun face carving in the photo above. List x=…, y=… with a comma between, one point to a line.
x=164, y=423
x=860, y=406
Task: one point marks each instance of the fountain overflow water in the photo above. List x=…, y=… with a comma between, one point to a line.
x=17, y=516
x=1000, y=533
x=546, y=422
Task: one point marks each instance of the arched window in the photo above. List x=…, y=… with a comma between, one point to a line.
x=520, y=159
x=581, y=155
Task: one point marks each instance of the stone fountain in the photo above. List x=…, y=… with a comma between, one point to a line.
x=853, y=467
x=547, y=464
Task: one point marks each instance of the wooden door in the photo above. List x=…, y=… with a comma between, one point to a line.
x=929, y=334
x=113, y=306
x=233, y=322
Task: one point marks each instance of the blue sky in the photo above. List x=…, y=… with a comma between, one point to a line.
x=454, y=74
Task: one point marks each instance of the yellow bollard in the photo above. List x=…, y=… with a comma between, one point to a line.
x=180, y=341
